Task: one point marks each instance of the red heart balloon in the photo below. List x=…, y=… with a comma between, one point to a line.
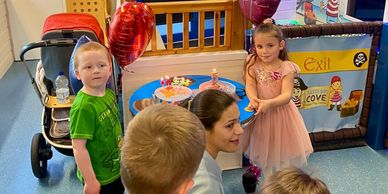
x=130, y=31
x=258, y=10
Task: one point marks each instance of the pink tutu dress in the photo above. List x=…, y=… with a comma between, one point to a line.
x=277, y=138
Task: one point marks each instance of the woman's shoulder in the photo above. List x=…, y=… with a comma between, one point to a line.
x=206, y=180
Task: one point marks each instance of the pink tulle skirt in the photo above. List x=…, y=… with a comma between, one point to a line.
x=277, y=139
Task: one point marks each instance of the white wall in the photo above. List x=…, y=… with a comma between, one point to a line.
x=286, y=10
x=6, y=56
x=26, y=18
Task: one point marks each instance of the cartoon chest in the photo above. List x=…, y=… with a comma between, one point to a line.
x=350, y=107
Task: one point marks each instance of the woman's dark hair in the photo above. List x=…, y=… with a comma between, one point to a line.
x=209, y=105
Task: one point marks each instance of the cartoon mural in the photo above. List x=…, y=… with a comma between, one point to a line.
x=297, y=93
x=332, y=78
x=322, y=11
x=309, y=16
x=332, y=11
x=335, y=93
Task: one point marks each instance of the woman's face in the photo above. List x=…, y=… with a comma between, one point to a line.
x=226, y=132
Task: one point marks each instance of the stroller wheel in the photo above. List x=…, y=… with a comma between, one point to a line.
x=40, y=153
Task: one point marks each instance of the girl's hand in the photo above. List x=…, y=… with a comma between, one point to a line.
x=253, y=104
x=92, y=187
x=264, y=106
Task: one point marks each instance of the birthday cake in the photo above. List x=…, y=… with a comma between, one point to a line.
x=219, y=85
x=174, y=94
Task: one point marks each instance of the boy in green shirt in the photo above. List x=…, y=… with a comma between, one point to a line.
x=95, y=122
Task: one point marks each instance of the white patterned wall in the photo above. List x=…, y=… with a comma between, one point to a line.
x=6, y=56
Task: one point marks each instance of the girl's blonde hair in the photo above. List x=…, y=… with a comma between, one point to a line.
x=276, y=32
x=293, y=181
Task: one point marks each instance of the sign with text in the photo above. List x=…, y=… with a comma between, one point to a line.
x=329, y=91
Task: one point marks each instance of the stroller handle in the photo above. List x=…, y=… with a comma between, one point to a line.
x=64, y=42
x=44, y=43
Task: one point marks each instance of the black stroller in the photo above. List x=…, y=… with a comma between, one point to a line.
x=59, y=36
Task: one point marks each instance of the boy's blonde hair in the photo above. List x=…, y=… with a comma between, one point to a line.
x=90, y=46
x=163, y=146
x=293, y=181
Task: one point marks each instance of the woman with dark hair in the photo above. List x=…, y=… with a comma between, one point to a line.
x=219, y=113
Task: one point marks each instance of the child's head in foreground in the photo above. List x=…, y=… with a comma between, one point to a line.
x=163, y=146
x=293, y=181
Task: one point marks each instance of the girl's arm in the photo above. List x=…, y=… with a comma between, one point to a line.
x=82, y=159
x=250, y=84
x=283, y=98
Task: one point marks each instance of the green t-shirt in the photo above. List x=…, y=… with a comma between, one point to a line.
x=97, y=120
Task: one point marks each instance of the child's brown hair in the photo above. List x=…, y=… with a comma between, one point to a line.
x=293, y=181
x=163, y=146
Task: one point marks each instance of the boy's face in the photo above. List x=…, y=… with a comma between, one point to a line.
x=226, y=131
x=94, y=69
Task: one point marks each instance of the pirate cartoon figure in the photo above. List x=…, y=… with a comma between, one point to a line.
x=332, y=11
x=335, y=93
x=299, y=86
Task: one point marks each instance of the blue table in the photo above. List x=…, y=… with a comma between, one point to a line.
x=148, y=89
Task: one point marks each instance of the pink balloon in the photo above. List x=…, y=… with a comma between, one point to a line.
x=258, y=10
x=130, y=31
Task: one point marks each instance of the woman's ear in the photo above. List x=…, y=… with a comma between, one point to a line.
x=282, y=44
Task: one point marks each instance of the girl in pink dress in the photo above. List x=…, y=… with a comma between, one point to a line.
x=278, y=137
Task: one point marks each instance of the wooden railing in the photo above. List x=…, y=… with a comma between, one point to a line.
x=232, y=37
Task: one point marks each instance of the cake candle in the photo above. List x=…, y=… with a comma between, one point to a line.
x=168, y=81
x=161, y=82
x=214, y=76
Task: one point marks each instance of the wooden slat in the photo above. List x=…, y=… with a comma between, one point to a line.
x=201, y=30
x=227, y=28
x=190, y=6
x=238, y=30
x=186, y=30
x=154, y=44
x=169, y=31
x=216, y=39
x=182, y=51
x=201, y=7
